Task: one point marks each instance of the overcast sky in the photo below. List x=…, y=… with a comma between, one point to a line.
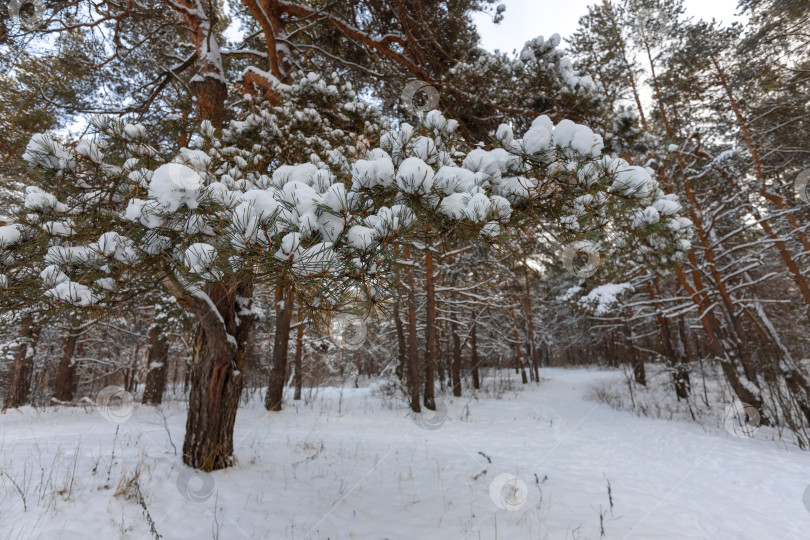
x=527, y=19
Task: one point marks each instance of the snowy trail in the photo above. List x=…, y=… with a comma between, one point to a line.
x=369, y=471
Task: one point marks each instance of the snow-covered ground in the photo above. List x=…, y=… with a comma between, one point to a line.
x=542, y=462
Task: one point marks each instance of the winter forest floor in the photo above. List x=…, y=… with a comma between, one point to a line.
x=354, y=464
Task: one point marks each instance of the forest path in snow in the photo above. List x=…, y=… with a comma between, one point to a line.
x=352, y=464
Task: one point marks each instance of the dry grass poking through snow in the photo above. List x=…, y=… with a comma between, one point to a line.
x=541, y=462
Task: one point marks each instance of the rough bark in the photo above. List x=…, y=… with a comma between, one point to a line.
x=208, y=85
x=216, y=377
x=20, y=387
x=157, y=367
x=285, y=299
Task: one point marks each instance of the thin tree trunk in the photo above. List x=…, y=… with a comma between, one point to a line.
x=158, y=365
x=299, y=352
x=530, y=320
x=401, y=347
x=621, y=47
x=766, y=190
x=441, y=360
x=683, y=381
x=738, y=333
x=748, y=392
x=64, y=386
x=474, y=357
x=278, y=371
x=456, y=367
x=636, y=361
x=430, y=333
x=413, y=353
x=20, y=387
x=680, y=375
x=519, y=366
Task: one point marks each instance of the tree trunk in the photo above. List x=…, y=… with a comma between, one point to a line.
x=441, y=361
x=285, y=299
x=456, y=363
x=683, y=382
x=533, y=352
x=158, y=364
x=64, y=386
x=208, y=85
x=636, y=361
x=20, y=387
x=519, y=365
x=747, y=392
x=430, y=333
x=299, y=351
x=401, y=347
x=216, y=376
x=413, y=353
x=680, y=372
x=474, y=357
